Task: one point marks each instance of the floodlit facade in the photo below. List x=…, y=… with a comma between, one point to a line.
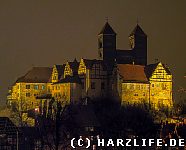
x=160, y=79
x=151, y=84
x=121, y=74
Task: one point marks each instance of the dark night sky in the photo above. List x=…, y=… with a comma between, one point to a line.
x=43, y=32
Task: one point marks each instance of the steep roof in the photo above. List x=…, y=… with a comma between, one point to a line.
x=138, y=31
x=107, y=29
x=132, y=73
x=36, y=75
x=90, y=62
x=7, y=127
x=70, y=79
x=60, y=70
x=74, y=65
x=149, y=69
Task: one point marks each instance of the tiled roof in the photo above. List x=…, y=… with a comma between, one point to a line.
x=138, y=31
x=74, y=65
x=149, y=69
x=70, y=79
x=36, y=75
x=107, y=29
x=7, y=127
x=132, y=73
x=60, y=70
x=90, y=62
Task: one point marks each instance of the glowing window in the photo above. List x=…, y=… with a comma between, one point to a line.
x=42, y=87
x=27, y=86
x=36, y=87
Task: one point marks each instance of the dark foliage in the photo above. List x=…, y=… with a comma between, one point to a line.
x=123, y=121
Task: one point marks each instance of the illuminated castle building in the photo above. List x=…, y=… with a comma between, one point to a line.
x=124, y=74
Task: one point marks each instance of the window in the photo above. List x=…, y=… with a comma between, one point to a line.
x=27, y=94
x=152, y=85
x=93, y=85
x=135, y=94
x=10, y=140
x=36, y=87
x=164, y=86
x=54, y=78
x=27, y=86
x=138, y=87
x=42, y=87
x=35, y=94
x=102, y=85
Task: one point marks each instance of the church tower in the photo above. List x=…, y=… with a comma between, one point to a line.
x=107, y=44
x=138, y=44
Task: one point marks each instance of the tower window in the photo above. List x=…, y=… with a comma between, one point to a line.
x=135, y=94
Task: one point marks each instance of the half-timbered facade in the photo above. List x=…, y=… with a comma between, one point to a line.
x=160, y=79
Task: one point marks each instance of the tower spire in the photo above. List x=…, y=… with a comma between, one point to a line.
x=107, y=29
x=137, y=21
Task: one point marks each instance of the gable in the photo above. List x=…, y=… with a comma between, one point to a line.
x=161, y=72
x=68, y=70
x=82, y=68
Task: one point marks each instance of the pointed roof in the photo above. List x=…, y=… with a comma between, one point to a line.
x=138, y=31
x=60, y=70
x=149, y=69
x=74, y=65
x=7, y=127
x=107, y=29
